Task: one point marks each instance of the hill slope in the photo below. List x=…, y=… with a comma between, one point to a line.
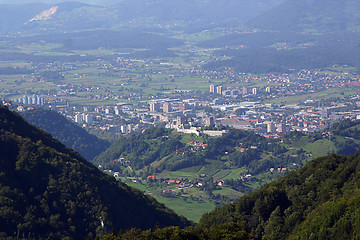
x=318, y=201
x=311, y=15
x=67, y=132
x=49, y=191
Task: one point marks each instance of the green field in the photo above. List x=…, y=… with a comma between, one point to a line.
x=181, y=174
x=317, y=148
x=320, y=148
x=186, y=206
x=226, y=191
x=236, y=173
x=222, y=174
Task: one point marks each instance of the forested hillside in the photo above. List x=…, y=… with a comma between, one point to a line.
x=67, y=132
x=171, y=152
x=319, y=201
x=48, y=191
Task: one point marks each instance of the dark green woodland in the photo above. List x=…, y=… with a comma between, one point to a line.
x=48, y=191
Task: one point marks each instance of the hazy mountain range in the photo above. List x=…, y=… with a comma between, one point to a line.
x=92, y=14
x=289, y=15
x=311, y=15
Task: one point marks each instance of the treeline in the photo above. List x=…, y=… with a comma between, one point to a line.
x=223, y=231
x=14, y=70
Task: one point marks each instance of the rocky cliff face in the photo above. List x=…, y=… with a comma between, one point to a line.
x=45, y=15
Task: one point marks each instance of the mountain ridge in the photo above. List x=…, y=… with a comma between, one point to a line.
x=310, y=16
x=67, y=132
x=123, y=13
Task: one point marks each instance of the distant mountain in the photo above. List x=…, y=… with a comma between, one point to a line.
x=15, y=17
x=57, y=9
x=318, y=201
x=69, y=16
x=194, y=10
x=48, y=191
x=265, y=52
x=312, y=16
x=67, y=132
x=136, y=13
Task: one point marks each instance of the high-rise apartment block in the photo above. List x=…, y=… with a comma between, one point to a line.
x=166, y=107
x=219, y=90
x=254, y=91
x=154, y=107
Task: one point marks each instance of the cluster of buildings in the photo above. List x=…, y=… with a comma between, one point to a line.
x=113, y=119
x=233, y=99
x=186, y=182
x=30, y=100
x=190, y=115
x=235, y=91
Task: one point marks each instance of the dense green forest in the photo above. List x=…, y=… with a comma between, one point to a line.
x=140, y=149
x=231, y=231
x=48, y=191
x=67, y=132
x=318, y=201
